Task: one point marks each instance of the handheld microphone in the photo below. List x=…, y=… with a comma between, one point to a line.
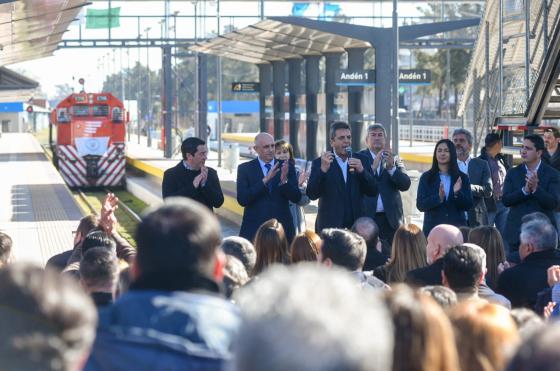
x=348, y=151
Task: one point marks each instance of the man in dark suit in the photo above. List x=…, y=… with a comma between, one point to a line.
x=529, y=187
x=389, y=171
x=538, y=252
x=551, y=138
x=491, y=153
x=340, y=179
x=479, y=177
x=191, y=178
x=264, y=188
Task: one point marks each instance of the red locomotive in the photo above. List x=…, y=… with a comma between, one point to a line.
x=90, y=133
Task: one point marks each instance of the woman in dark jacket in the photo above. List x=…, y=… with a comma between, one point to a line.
x=444, y=192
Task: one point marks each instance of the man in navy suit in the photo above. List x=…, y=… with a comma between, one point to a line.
x=264, y=188
x=389, y=171
x=340, y=179
x=529, y=187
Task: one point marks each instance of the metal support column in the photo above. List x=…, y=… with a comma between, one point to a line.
x=527, y=50
x=395, y=82
x=312, y=84
x=500, y=57
x=202, y=95
x=355, y=95
x=383, y=56
x=294, y=89
x=278, y=89
x=167, y=101
x=332, y=68
x=265, y=82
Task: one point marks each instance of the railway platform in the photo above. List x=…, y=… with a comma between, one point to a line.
x=37, y=209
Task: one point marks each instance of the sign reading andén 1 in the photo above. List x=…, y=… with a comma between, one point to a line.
x=245, y=87
x=355, y=78
x=415, y=77
x=367, y=77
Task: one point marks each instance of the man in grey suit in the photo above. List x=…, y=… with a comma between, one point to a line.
x=479, y=176
x=386, y=209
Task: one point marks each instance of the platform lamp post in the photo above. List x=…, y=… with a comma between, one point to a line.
x=395, y=90
x=149, y=110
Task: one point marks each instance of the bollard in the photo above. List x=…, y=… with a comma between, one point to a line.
x=446, y=132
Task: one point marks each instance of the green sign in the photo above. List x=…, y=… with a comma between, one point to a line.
x=103, y=18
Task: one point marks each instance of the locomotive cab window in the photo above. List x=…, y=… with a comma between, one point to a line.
x=80, y=110
x=62, y=115
x=101, y=110
x=117, y=114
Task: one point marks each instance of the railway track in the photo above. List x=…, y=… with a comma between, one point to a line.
x=127, y=213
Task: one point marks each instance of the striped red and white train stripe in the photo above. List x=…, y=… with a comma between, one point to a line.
x=111, y=166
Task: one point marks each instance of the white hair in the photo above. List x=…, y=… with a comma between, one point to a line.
x=540, y=234
x=310, y=318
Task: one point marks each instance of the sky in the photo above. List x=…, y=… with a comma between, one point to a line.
x=68, y=65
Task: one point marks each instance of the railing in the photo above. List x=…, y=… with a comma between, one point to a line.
x=501, y=83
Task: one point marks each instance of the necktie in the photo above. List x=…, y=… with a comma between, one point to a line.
x=268, y=167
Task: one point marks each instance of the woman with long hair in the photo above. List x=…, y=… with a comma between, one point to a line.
x=485, y=334
x=444, y=192
x=490, y=239
x=423, y=334
x=305, y=247
x=285, y=152
x=408, y=252
x=271, y=245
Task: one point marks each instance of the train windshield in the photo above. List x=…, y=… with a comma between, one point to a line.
x=101, y=110
x=80, y=110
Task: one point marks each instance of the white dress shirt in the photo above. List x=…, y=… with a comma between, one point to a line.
x=343, y=165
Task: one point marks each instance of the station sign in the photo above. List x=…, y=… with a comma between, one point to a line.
x=355, y=78
x=415, y=77
x=367, y=77
x=245, y=87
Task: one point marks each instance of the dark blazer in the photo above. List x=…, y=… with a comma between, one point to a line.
x=553, y=160
x=491, y=202
x=329, y=189
x=522, y=283
x=450, y=211
x=426, y=276
x=481, y=188
x=262, y=204
x=389, y=188
x=178, y=181
x=545, y=199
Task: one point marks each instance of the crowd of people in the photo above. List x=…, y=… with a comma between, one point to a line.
x=474, y=288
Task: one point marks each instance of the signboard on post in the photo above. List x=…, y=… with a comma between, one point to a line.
x=355, y=78
x=245, y=87
x=415, y=77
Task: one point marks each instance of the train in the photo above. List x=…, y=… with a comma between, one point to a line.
x=87, y=140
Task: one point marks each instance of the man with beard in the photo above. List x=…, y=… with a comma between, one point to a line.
x=479, y=177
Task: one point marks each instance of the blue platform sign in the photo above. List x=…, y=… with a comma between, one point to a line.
x=11, y=107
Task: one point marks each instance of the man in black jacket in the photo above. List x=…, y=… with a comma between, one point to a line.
x=537, y=251
x=529, y=187
x=191, y=178
x=389, y=171
x=340, y=179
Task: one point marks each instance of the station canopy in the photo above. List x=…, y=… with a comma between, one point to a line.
x=31, y=29
x=275, y=39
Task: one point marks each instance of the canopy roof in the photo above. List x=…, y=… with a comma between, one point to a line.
x=275, y=40
x=31, y=29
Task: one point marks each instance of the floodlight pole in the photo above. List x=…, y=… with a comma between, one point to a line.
x=395, y=90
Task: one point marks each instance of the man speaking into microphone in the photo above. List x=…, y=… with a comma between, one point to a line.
x=340, y=179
